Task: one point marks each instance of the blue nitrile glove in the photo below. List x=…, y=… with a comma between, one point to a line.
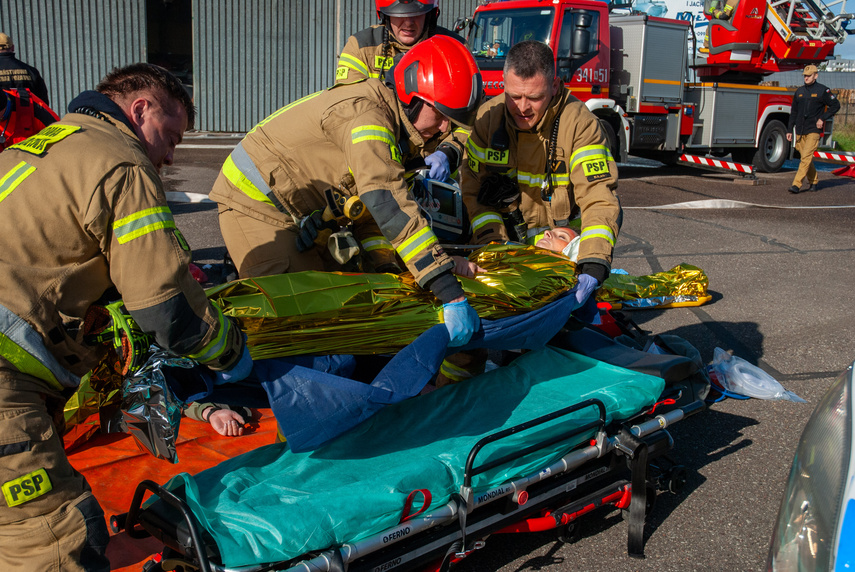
x=462, y=321
x=440, y=169
x=238, y=372
x=585, y=285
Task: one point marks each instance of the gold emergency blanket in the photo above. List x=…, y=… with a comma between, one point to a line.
x=683, y=285
x=332, y=312
x=82, y=412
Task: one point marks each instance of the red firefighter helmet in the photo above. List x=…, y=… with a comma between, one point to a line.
x=22, y=114
x=442, y=72
x=405, y=8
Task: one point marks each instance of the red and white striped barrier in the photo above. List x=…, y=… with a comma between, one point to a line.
x=840, y=157
x=718, y=163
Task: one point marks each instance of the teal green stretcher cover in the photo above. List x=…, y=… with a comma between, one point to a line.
x=271, y=505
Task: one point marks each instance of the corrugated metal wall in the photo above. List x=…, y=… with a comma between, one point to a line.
x=250, y=56
x=253, y=56
x=74, y=43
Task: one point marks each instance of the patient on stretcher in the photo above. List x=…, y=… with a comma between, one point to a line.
x=561, y=239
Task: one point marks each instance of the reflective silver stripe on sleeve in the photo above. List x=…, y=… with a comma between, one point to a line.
x=247, y=167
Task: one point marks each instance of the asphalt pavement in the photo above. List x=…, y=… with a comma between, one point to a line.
x=781, y=274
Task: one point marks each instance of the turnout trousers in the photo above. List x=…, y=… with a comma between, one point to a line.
x=49, y=519
x=806, y=145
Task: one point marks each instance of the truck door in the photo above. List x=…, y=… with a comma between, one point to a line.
x=581, y=63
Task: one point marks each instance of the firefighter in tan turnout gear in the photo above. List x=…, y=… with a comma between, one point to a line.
x=87, y=223
x=538, y=159
x=301, y=167
x=371, y=52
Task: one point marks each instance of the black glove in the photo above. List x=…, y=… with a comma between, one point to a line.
x=310, y=227
x=498, y=191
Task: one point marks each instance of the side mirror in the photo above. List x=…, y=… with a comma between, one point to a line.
x=581, y=41
x=581, y=34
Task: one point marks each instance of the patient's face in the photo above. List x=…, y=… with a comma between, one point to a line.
x=557, y=238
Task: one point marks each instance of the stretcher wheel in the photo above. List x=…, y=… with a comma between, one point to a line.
x=569, y=533
x=677, y=478
x=117, y=522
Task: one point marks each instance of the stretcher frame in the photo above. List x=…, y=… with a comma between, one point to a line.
x=623, y=465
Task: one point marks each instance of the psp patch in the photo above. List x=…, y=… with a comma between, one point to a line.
x=26, y=488
x=596, y=169
x=381, y=63
x=340, y=73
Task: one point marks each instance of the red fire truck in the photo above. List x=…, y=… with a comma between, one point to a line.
x=633, y=70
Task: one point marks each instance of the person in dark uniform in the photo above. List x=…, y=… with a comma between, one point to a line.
x=813, y=105
x=15, y=73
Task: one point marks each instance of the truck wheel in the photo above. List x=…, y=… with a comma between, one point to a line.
x=773, y=148
x=611, y=138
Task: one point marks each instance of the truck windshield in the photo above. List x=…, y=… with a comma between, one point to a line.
x=495, y=31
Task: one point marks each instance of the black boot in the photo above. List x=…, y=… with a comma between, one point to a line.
x=795, y=190
x=813, y=187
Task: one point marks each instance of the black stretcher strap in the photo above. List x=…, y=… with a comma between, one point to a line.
x=638, y=504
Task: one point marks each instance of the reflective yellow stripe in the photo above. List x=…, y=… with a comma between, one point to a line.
x=376, y=243
x=589, y=153
x=417, y=243
x=453, y=372
x=599, y=231
x=14, y=178
x=25, y=362
x=279, y=112
x=142, y=223
x=357, y=65
x=532, y=235
x=474, y=150
x=486, y=218
x=238, y=179
x=215, y=347
x=372, y=133
x=537, y=179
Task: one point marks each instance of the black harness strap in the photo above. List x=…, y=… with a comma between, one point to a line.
x=638, y=504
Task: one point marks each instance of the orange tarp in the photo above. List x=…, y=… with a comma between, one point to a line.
x=114, y=466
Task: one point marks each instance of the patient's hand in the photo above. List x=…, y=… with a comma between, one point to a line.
x=227, y=422
x=462, y=267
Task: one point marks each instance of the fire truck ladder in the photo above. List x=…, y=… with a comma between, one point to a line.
x=809, y=20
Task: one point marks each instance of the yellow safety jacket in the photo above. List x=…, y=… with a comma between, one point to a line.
x=86, y=221
x=583, y=175
x=365, y=57
x=351, y=138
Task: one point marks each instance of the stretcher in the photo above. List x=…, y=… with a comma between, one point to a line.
x=530, y=446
